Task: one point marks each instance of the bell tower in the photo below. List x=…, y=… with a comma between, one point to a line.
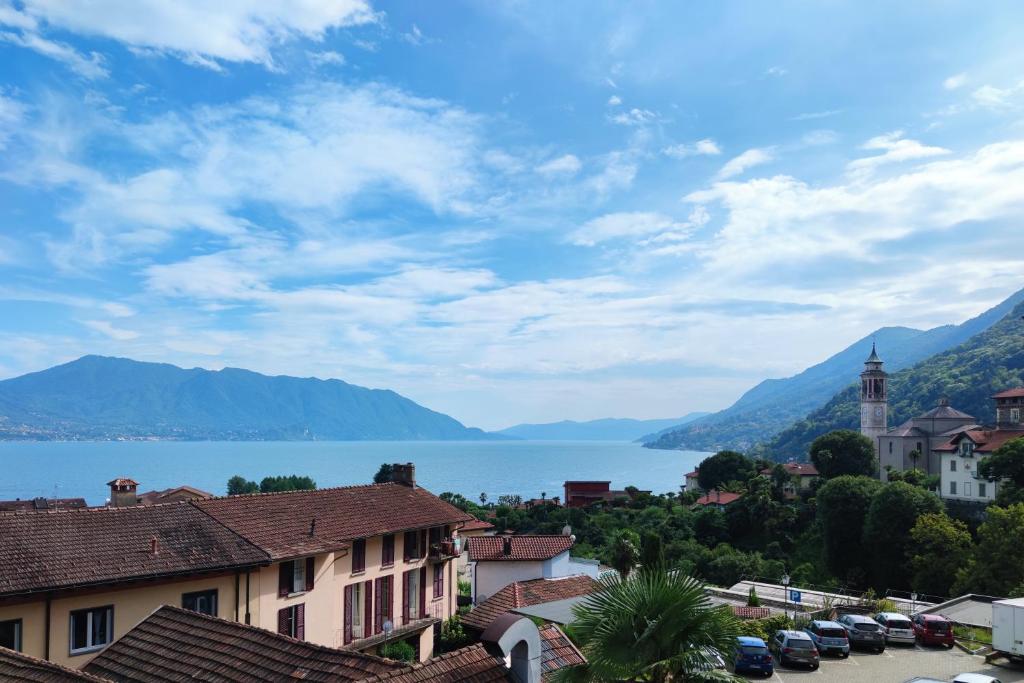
x=874, y=398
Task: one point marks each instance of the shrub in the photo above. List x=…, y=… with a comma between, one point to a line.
x=752, y=599
x=453, y=635
x=399, y=650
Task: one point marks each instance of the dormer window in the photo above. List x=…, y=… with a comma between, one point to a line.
x=967, y=447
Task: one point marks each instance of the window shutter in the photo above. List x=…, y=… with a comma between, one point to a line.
x=438, y=580
x=405, y=596
x=348, y=614
x=284, y=579
x=423, y=543
x=310, y=571
x=423, y=593
x=378, y=611
x=387, y=552
x=368, y=609
x=406, y=550
x=282, y=621
x=389, y=596
x=300, y=622
x=359, y=555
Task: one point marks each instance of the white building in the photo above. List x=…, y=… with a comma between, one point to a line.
x=497, y=561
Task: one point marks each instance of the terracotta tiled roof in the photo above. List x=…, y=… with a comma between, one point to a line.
x=1017, y=392
x=122, y=481
x=557, y=651
x=803, y=469
x=173, y=644
x=527, y=593
x=18, y=668
x=172, y=495
x=95, y=546
x=473, y=663
x=476, y=525
x=744, y=612
x=33, y=504
x=718, y=498
x=986, y=440
x=280, y=523
x=692, y=475
x=492, y=548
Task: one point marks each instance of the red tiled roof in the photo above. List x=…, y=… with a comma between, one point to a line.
x=33, y=504
x=280, y=523
x=1017, y=392
x=173, y=644
x=473, y=663
x=751, y=612
x=122, y=481
x=986, y=440
x=691, y=475
x=15, y=666
x=95, y=546
x=492, y=548
x=804, y=469
x=476, y=525
x=718, y=498
x=527, y=593
x=557, y=651
x=172, y=495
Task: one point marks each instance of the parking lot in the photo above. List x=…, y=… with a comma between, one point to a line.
x=898, y=664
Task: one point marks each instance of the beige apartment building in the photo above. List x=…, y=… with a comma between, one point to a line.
x=332, y=567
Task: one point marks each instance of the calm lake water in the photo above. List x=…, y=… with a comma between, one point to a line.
x=527, y=468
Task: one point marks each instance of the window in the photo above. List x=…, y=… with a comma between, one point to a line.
x=967, y=488
x=10, y=634
x=890, y=448
x=966, y=447
x=439, y=580
x=291, y=621
x=919, y=448
x=383, y=596
x=1015, y=415
x=296, y=576
x=358, y=611
x=952, y=465
x=387, y=550
x=952, y=488
x=982, y=490
x=204, y=602
x=414, y=542
x=91, y=629
x=412, y=595
x=358, y=555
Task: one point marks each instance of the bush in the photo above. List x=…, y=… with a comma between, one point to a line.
x=453, y=635
x=752, y=599
x=465, y=587
x=398, y=650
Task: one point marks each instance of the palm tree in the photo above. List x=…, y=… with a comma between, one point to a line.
x=658, y=626
x=624, y=552
x=483, y=498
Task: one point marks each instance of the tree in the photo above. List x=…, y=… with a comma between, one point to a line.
x=893, y=513
x=1006, y=465
x=724, y=467
x=384, y=474
x=657, y=627
x=510, y=500
x=624, y=551
x=842, y=509
x=938, y=547
x=238, y=485
x=292, y=482
x=752, y=599
x=844, y=451
x=652, y=554
x=997, y=567
x=456, y=499
x=711, y=527
x=483, y=499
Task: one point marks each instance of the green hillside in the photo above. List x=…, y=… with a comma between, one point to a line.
x=967, y=374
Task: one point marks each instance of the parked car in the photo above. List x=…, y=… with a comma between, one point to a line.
x=795, y=647
x=863, y=632
x=975, y=678
x=897, y=628
x=932, y=629
x=751, y=656
x=829, y=636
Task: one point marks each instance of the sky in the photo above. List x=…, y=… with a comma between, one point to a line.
x=506, y=211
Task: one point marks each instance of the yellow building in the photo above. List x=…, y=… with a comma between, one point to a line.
x=330, y=567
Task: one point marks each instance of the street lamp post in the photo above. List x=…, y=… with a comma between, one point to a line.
x=785, y=593
x=387, y=627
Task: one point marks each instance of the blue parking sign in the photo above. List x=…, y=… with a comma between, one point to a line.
x=794, y=596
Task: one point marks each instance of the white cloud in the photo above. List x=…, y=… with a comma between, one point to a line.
x=991, y=97
x=415, y=36
x=104, y=327
x=812, y=115
x=895, y=149
x=228, y=31
x=776, y=71
x=819, y=137
x=326, y=57
x=11, y=113
x=633, y=224
x=565, y=165
x=634, y=117
x=705, y=147
x=749, y=159
x=614, y=101
x=955, y=81
x=91, y=66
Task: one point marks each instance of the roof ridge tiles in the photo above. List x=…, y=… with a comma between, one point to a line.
x=265, y=494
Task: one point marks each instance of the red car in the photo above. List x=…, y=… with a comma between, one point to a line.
x=931, y=629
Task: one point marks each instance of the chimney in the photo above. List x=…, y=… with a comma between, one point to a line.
x=123, y=492
x=154, y=545
x=404, y=474
x=506, y=545
x=944, y=401
x=515, y=639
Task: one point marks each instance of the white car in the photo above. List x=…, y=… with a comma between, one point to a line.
x=897, y=628
x=975, y=678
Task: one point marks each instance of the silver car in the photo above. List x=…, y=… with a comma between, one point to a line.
x=794, y=647
x=863, y=632
x=897, y=628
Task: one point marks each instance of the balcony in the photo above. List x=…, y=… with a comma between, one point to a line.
x=442, y=550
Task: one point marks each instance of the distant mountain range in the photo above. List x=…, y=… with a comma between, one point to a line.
x=97, y=397
x=607, y=429
x=775, y=404
x=967, y=375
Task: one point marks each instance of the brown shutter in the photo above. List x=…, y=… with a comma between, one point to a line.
x=387, y=553
x=423, y=593
x=406, y=550
x=300, y=621
x=438, y=580
x=283, y=621
x=310, y=571
x=284, y=579
x=405, y=596
x=423, y=543
x=368, y=609
x=378, y=607
x=348, y=614
x=389, y=596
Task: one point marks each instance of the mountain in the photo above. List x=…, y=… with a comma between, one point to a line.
x=968, y=375
x=775, y=404
x=96, y=397
x=607, y=429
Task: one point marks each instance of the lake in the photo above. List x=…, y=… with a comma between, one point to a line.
x=82, y=468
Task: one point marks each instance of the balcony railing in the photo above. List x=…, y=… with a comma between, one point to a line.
x=443, y=550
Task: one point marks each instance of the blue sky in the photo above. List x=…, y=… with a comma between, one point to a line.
x=506, y=211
